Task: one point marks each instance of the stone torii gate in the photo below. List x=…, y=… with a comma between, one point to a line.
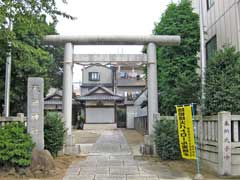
x=69, y=58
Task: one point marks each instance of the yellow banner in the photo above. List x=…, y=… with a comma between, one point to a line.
x=186, y=132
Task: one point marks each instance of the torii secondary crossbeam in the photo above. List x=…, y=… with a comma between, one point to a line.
x=110, y=58
x=150, y=41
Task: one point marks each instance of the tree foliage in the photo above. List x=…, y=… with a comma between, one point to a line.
x=178, y=81
x=15, y=145
x=223, y=82
x=30, y=57
x=53, y=133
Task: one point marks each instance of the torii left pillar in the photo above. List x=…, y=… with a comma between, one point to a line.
x=67, y=90
x=152, y=87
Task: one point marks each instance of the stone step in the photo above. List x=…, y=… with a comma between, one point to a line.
x=100, y=126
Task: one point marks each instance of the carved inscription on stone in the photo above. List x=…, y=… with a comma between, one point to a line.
x=35, y=111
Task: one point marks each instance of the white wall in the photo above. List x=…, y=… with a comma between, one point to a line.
x=222, y=20
x=105, y=74
x=137, y=105
x=130, y=117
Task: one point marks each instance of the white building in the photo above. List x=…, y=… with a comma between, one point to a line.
x=221, y=24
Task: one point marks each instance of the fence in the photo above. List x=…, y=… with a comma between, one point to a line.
x=141, y=124
x=218, y=138
x=19, y=118
x=219, y=144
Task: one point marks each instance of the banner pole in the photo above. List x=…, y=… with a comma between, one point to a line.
x=198, y=175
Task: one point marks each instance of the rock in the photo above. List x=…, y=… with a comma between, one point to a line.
x=38, y=173
x=28, y=173
x=12, y=171
x=42, y=163
x=21, y=171
x=25, y=172
x=53, y=172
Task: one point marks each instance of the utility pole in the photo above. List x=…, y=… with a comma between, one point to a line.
x=8, y=75
x=202, y=55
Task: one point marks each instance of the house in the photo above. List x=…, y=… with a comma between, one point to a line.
x=108, y=93
x=97, y=94
x=53, y=102
x=100, y=105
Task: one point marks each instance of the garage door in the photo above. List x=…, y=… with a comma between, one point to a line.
x=99, y=115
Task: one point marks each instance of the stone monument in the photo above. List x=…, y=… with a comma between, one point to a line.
x=35, y=111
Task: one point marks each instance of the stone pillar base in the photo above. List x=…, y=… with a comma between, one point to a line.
x=148, y=140
x=71, y=150
x=149, y=147
x=70, y=140
x=69, y=147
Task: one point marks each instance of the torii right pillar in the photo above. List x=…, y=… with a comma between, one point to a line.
x=152, y=86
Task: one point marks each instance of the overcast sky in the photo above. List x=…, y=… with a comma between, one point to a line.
x=110, y=17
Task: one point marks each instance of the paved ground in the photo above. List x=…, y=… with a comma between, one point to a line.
x=111, y=159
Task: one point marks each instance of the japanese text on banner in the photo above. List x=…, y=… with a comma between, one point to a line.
x=186, y=132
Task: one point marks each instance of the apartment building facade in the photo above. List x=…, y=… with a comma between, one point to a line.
x=221, y=24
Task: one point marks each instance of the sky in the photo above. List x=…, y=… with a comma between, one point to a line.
x=109, y=17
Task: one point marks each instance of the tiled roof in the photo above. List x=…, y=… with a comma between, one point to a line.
x=53, y=102
x=103, y=97
x=99, y=87
x=57, y=92
x=107, y=95
x=96, y=84
x=55, y=98
x=57, y=102
x=141, y=97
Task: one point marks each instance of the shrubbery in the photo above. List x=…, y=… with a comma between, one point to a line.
x=223, y=82
x=166, y=140
x=53, y=132
x=15, y=145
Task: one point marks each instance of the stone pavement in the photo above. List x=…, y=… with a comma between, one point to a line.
x=111, y=159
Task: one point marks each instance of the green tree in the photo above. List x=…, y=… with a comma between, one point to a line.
x=53, y=133
x=178, y=81
x=223, y=82
x=29, y=56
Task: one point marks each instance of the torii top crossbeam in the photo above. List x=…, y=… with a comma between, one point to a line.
x=162, y=40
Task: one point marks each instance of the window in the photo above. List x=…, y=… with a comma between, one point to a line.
x=210, y=3
x=211, y=47
x=94, y=76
